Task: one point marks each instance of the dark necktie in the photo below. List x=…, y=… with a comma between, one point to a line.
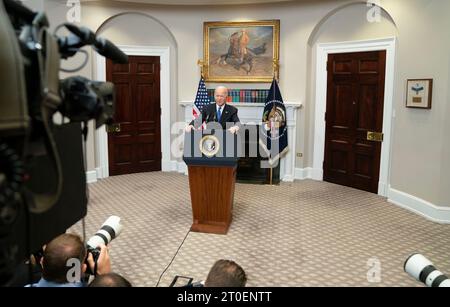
x=219, y=114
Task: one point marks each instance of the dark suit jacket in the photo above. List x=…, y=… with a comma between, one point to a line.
x=209, y=114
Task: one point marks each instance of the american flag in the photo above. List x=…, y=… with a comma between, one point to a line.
x=201, y=100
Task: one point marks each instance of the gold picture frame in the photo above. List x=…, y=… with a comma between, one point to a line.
x=246, y=51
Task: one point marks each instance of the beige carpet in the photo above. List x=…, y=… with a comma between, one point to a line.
x=305, y=233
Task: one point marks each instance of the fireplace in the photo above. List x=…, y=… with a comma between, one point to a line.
x=249, y=167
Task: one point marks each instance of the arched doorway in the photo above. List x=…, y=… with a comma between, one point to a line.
x=337, y=43
x=163, y=46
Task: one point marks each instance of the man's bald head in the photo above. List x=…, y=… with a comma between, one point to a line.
x=56, y=256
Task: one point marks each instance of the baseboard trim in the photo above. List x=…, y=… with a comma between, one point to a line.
x=168, y=166
x=182, y=168
x=419, y=206
x=99, y=173
x=91, y=176
x=382, y=189
x=303, y=173
x=288, y=178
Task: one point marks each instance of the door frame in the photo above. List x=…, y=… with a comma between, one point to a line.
x=101, y=136
x=323, y=50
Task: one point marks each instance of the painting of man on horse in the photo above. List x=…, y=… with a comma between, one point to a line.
x=241, y=51
x=239, y=55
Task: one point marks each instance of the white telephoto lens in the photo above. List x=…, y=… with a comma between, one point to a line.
x=424, y=271
x=432, y=277
x=114, y=222
x=99, y=239
x=415, y=264
x=110, y=229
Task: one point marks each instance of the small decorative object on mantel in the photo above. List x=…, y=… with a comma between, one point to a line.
x=419, y=93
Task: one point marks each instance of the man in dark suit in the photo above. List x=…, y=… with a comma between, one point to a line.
x=218, y=112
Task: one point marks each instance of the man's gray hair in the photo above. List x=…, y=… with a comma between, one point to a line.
x=221, y=87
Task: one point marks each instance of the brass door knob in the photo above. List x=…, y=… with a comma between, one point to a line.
x=113, y=128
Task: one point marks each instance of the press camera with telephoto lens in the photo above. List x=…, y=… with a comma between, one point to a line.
x=110, y=229
x=42, y=172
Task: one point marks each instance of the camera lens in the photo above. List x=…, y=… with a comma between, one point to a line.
x=424, y=271
x=110, y=229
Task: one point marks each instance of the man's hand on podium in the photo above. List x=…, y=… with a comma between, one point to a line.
x=234, y=129
x=189, y=128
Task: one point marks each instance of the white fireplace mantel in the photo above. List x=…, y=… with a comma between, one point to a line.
x=251, y=113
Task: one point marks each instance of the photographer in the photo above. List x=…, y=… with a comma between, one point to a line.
x=66, y=254
x=110, y=280
x=226, y=273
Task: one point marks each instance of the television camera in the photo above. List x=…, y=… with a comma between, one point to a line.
x=42, y=174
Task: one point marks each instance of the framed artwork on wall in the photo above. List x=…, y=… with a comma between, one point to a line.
x=419, y=93
x=241, y=51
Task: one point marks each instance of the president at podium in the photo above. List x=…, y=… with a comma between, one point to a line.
x=219, y=112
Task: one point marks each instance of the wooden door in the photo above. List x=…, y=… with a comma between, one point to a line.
x=137, y=146
x=355, y=98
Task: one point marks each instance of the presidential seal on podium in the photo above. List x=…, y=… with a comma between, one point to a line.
x=209, y=145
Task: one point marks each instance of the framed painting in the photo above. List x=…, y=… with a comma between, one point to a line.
x=419, y=93
x=241, y=51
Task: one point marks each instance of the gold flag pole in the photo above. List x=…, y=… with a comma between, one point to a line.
x=275, y=64
x=271, y=175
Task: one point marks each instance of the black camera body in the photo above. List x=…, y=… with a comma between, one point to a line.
x=187, y=282
x=94, y=251
x=85, y=99
x=95, y=255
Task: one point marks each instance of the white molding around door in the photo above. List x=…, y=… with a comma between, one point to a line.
x=323, y=50
x=101, y=137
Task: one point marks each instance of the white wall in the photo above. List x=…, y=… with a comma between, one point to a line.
x=419, y=164
x=351, y=23
x=445, y=155
x=419, y=135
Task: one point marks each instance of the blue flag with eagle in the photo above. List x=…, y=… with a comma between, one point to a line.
x=273, y=133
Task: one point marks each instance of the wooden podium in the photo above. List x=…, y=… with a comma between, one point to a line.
x=212, y=177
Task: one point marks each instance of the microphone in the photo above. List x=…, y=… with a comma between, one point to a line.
x=84, y=36
x=109, y=50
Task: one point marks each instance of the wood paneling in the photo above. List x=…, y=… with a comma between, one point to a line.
x=212, y=194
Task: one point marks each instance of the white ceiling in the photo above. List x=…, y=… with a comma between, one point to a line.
x=203, y=2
